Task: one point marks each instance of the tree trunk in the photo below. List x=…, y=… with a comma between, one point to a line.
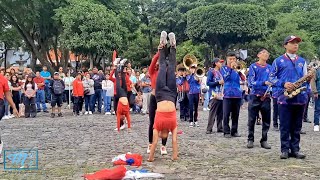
x=55, y=49
x=33, y=62
x=40, y=54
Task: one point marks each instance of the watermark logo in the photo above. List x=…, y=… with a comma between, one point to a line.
x=20, y=159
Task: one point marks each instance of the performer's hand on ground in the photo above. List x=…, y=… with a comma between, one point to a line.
x=150, y=159
x=174, y=158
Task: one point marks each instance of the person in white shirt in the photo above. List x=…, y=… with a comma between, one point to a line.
x=108, y=92
x=68, y=87
x=30, y=89
x=88, y=86
x=205, y=93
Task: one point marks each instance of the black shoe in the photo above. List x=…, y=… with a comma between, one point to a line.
x=46, y=111
x=250, y=144
x=227, y=135
x=39, y=110
x=52, y=115
x=236, y=135
x=220, y=131
x=60, y=115
x=265, y=145
x=297, y=155
x=209, y=132
x=302, y=132
x=307, y=121
x=284, y=155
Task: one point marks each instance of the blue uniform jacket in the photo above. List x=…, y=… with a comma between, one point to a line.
x=284, y=70
x=213, y=79
x=258, y=75
x=194, y=85
x=231, y=83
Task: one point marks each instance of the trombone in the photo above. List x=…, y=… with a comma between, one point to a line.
x=189, y=61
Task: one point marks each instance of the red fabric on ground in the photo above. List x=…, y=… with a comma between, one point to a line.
x=107, y=174
x=137, y=158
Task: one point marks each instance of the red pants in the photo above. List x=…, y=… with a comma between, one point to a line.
x=123, y=110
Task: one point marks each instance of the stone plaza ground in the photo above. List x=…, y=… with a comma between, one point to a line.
x=71, y=146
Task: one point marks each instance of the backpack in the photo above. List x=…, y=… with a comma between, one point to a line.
x=57, y=87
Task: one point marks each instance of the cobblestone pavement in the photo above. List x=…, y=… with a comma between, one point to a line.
x=71, y=146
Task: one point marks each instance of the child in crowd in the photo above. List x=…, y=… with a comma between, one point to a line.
x=88, y=85
x=107, y=86
x=138, y=103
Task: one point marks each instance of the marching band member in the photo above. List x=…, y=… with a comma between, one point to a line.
x=259, y=98
x=153, y=72
x=286, y=70
x=183, y=89
x=215, y=83
x=194, y=95
x=232, y=96
x=166, y=93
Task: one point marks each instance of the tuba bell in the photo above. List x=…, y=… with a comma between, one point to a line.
x=189, y=60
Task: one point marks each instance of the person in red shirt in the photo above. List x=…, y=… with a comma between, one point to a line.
x=40, y=97
x=166, y=93
x=78, y=95
x=5, y=93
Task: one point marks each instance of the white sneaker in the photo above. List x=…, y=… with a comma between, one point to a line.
x=172, y=39
x=116, y=61
x=191, y=124
x=90, y=112
x=5, y=117
x=163, y=150
x=122, y=127
x=107, y=113
x=149, y=148
x=163, y=38
x=130, y=109
x=196, y=124
x=113, y=113
x=205, y=109
x=316, y=128
x=86, y=113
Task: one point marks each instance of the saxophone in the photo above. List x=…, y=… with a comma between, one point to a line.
x=297, y=85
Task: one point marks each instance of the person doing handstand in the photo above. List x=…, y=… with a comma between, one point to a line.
x=166, y=92
x=123, y=109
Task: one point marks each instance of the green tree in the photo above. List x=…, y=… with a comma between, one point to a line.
x=224, y=24
x=90, y=28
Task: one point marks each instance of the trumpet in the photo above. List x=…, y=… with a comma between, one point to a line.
x=189, y=61
x=240, y=65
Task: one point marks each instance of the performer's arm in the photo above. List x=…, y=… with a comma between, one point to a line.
x=154, y=145
x=128, y=120
x=210, y=80
x=153, y=63
x=175, y=144
x=252, y=79
x=111, y=76
x=273, y=77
